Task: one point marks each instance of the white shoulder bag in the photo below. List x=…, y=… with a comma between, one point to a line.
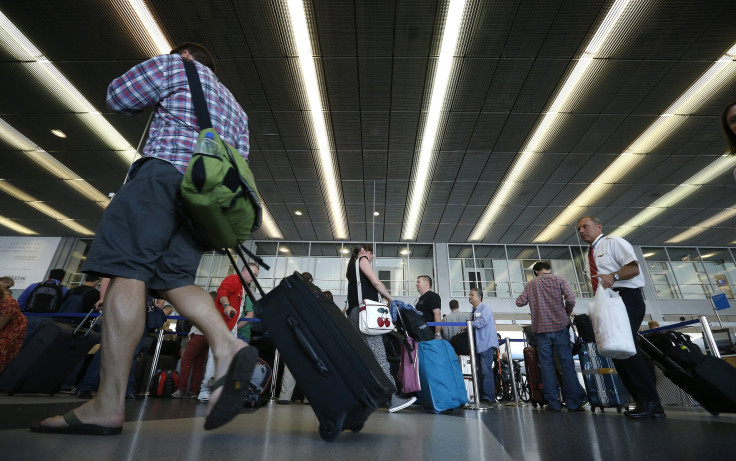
x=373, y=317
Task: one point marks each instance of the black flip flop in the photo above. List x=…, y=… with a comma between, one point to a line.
x=235, y=388
x=75, y=426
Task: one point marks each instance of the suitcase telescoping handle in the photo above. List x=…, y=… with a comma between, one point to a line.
x=306, y=347
x=258, y=261
x=652, y=348
x=84, y=334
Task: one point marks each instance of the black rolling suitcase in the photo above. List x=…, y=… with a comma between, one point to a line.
x=47, y=358
x=329, y=360
x=709, y=380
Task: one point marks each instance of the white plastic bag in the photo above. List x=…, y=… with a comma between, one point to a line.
x=611, y=325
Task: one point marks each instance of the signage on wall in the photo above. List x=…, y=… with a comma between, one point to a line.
x=26, y=259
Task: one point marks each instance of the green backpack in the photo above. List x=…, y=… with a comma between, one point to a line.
x=218, y=192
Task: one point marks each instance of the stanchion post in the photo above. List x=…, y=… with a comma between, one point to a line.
x=274, y=375
x=154, y=363
x=476, y=405
x=510, y=361
x=708, y=337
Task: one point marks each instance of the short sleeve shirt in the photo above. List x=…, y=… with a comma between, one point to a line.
x=611, y=254
x=427, y=303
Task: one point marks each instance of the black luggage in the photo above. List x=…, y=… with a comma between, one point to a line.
x=329, y=360
x=709, y=380
x=47, y=358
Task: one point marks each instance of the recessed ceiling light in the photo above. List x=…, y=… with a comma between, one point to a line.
x=346, y=250
x=404, y=251
x=376, y=213
x=707, y=255
x=284, y=250
x=58, y=133
x=649, y=255
x=298, y=212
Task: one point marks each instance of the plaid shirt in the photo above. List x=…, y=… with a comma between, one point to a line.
x=162, y=82
x=545, y=295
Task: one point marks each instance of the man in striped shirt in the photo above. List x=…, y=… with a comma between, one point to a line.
x=551, y=302
x=143, y=243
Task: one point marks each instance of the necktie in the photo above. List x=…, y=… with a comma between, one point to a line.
x=593, y=268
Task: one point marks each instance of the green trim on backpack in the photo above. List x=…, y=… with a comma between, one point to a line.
x=219, y=195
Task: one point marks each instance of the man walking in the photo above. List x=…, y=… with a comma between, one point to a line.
x=142, y=240
x=612, y=260
x=551, y=302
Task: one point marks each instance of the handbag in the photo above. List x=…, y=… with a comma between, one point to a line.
x=409, y=367
x=373, y=316
x=611, y=325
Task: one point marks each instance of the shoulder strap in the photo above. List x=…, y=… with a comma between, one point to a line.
x=357, y=280
x=195, y=87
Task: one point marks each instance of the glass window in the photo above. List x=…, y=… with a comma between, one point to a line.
x=521, y=260
x=421, y=262
x=689, y=272
x=327, y=266
x=580, y=261
x=391, y=267
x=493, y=268
x=661, y=273
x=463, y=275
x=562, y=264
x=719, y=265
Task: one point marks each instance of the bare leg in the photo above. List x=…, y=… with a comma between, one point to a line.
x=196, y=305
x=124, y=312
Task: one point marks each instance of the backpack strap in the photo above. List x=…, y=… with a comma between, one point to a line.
x=195, y=87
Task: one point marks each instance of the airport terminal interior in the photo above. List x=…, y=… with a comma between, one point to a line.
x=463, y=139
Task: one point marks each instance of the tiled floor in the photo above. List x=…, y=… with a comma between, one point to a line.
x=167, y=429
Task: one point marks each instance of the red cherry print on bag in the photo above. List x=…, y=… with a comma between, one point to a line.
x=380, y=321
x=388, y=322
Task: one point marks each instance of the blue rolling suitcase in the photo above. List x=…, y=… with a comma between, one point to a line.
x=441, y=377
x=602, y=383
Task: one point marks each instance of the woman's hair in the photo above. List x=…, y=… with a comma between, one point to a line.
x=356, y=251
x=730, y=135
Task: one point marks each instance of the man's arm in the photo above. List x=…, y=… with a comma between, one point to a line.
x=140, y=87
x=523, y=298
x=629, y=271
x=569, y=296
x=23, y=298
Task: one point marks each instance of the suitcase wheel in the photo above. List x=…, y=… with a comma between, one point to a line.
x=534, y=405
x=592, y=409
x=618, y=409
x=328, y=431
x=357, y=427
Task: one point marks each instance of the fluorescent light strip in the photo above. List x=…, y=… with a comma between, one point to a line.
x=545, y=130
x=146, y=18
x=44, y=159
x=268, y=223
x=720, y=166
x=12, y=225
x=704, y=225
x=720, y=72
x=417, y=199
x=43, y=208
x=329, y=176
x=17, y=44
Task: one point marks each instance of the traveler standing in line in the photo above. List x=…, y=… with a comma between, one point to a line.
x=370, y=287
x=13, y=325
x=612, y=260
x=429, y=303
x=26, y=299
x=161, y=255
x=455, y=316
x=551, y=302
x=486, y=344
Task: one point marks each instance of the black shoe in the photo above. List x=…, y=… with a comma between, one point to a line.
x=647, y=410
x=556, y=410
x=84, y=394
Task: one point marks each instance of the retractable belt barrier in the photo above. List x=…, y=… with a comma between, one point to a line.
x=708, y=338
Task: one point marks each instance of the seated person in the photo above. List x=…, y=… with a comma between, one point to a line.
x=13, y=325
